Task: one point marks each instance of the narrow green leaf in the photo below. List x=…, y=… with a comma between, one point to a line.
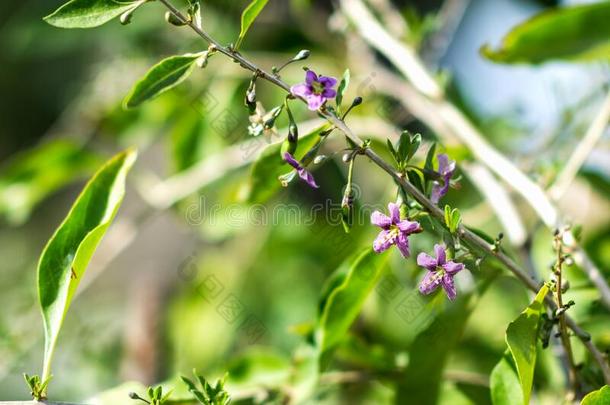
x=248, y=17
x=577, y=33
x=404, y=145
x=521, y=337
x=599, y=397
x=415, y=142
x=447, y=216
x=393, y=152
x=65, y=258
x=33, y=175
x=343, y=85
x=263, y=182
x=88, y=13
x=430, y=157
x=343, y=302
x=162, y=77
x=452, y=218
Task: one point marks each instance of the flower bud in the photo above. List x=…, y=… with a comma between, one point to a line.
x=288, y=147
x=302, y=55
x=319, y=159
x=125, y=18
x=346, y=157
x=272, y=116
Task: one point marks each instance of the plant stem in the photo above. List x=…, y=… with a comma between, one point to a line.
x=468, y=236
x=563, y=330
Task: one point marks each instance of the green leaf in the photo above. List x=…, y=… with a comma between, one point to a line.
x=430, y=157
x=504, y=381
x=248, y=17
x=263, y=182
x=393, y=151
x=415, y=142
x=65, y=258
x=33, y=175
x=350, y=286
x=88, y=13
x=162, y=77
x=452, y=218
x=343, y=85
x=404, y=145
x=415, y=179
x=578, y=33
x=521, y=337
x=599, y=397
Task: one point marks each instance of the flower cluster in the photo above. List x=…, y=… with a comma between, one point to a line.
x=395, y=231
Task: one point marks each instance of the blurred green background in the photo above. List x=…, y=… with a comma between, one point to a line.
x=151, y=305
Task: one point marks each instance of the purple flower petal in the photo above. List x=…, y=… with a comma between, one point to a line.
x=301, y=90
x=380, y=219
x=445, y=166
x=288, y=158
x=408, y=227
x=438, y=191
x=439, y=251
x=394, y=210
x=327, y=81
x=384, y=240
x=402, y=243
x=430, y=282
x=453, y=268
x=310, y=77
x=315, y=101
x=308, y=177
x=426, y=261
x=329, y=93
x=449, y=286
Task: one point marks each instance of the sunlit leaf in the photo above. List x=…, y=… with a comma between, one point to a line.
x=34, y=174
x=248, y=17
x=66, y=256
x=599, y=397
x=578, y=33
x=521, y=338
x=162, y=77
x=504, y=381
x=88, y=13
x=349, y=289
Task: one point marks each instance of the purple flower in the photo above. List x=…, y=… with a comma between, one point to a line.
x=446, y=168
x=316, y=90
x=440, y=272
x=303, y=174
x=394, y=231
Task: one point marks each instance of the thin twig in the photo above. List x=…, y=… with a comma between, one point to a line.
x=563, y=330
x=466, y=235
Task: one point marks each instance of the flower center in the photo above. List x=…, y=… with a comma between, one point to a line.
x=392, y=234
x=318, y=87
